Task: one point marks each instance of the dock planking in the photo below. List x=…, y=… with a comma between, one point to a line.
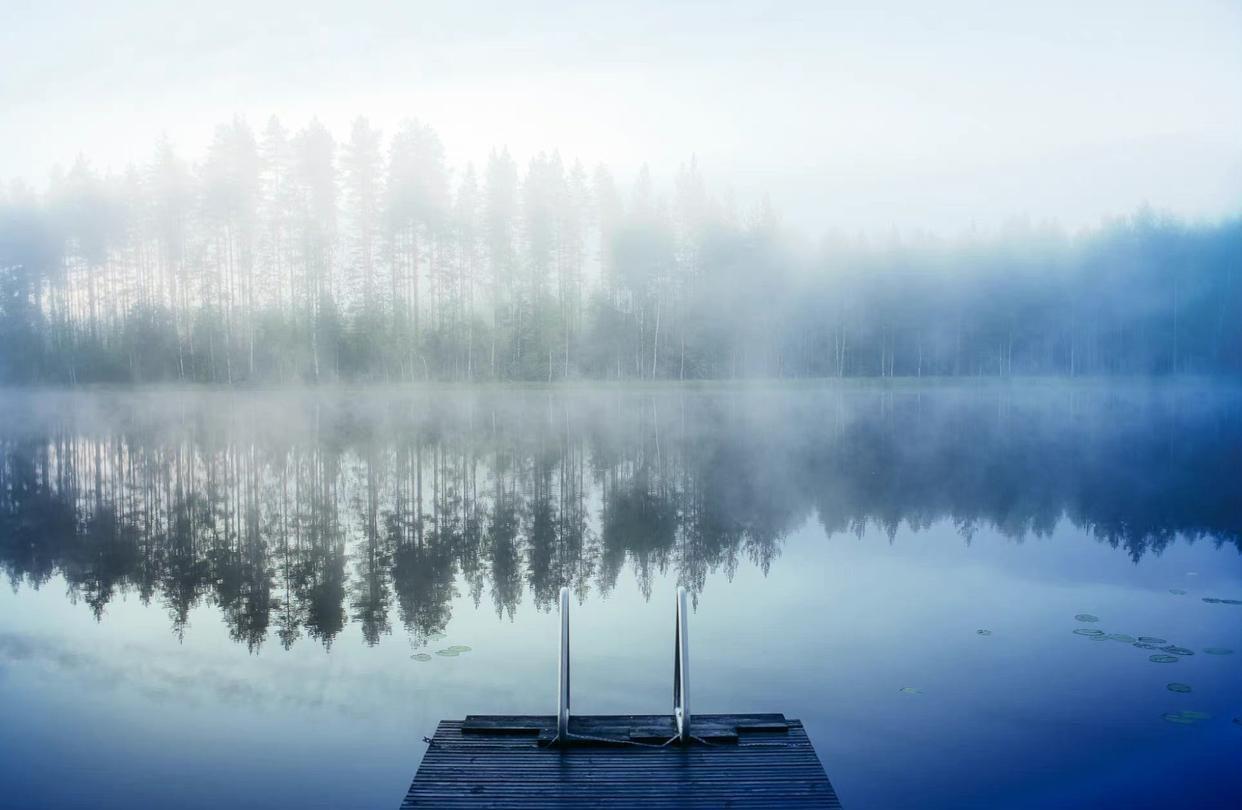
x=737, y=761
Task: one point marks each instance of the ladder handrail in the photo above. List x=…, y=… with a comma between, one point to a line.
x=681, y=670
x=562, y=713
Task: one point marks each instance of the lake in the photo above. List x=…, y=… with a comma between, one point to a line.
x=1002, y=595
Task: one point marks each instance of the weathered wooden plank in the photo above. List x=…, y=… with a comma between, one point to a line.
x=752, y=760
x=758, y=727
x=638, y=728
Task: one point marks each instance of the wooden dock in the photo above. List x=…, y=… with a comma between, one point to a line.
x=732, y=760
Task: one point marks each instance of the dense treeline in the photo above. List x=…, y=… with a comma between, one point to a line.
x=299, y=516
x=292, y=257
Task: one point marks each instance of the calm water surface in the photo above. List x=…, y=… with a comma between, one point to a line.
x=239, y=599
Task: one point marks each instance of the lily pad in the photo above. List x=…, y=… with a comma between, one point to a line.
x=910, y=690
x=1185, y=718
x=459, y=648
x=1231, y=601
x=1173, y=649
x=1144, y=645
x=1086, y=631
x=1211, y=600
x=1152, y=640
x=436, y=636
x=1218, y=651
x=1181, y=688
x=1177, y=591
x=1086, y=617
x=983, y=632
x=1163, y=659
x=1120, y=637
x=421, y=657
x=448, y=653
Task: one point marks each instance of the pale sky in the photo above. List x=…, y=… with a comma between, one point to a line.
x=899, y=113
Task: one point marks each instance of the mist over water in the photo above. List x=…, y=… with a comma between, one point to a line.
x=300, y=513
x=288, y=558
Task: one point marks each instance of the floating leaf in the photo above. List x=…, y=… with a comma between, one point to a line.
x=1182, y=688
x=1173, y=649
x=436, y=636
x=1177, y=591
x=1197, y=715
x=1163, y=659
x=1231, y=601
x=448, y=653
x=460, y=648
x=1152, y=640
x=1218, y=651
x=910, y=690
x=1211, y=600
x=983, y=632
x=1146, y=645
x=421, y=657
x=1086, y=617
x=1120, y=637
x=1086, y=631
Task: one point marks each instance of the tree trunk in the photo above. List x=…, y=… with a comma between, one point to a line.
x=655, y=343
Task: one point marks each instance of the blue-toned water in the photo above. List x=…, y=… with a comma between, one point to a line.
x=224, y=599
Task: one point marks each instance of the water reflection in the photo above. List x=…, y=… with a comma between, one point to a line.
x=296, y=515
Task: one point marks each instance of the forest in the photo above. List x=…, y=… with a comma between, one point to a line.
x=290, y=257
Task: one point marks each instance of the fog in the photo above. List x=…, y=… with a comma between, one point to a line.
x=309, y=194
x=852, y=116
x=297, y=256
x=338, y=341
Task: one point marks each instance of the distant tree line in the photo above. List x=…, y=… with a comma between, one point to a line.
x=286, y=257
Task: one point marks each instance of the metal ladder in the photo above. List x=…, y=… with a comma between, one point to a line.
x=681, y=671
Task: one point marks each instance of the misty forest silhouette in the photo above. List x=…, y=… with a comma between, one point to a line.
x=288, y=258
x=298, y=515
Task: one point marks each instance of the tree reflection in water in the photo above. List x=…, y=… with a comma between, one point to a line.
x=296, y=514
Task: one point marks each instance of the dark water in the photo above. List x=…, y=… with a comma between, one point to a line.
x=225, y=599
